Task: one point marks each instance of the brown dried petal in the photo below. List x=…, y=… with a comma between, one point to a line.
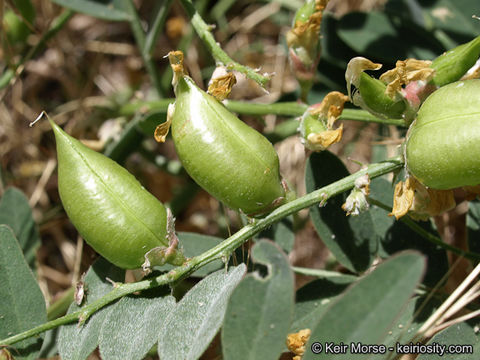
x=406, y=71
x=176, y=63
x=419, y=201
x=330, y=108
x=402, y=198
x=430, y=202
x=220, y=87
x=321, y=141
x=354, y=68
x=161, y=131
x=296, y=341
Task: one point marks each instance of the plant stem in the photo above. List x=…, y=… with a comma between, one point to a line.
x=427, y=235
x=154, y=31
x=59, y=307
x=141, y=40
x=437, y=241
x=221, y=251
x=281, y=108
x=56, y=25
x=220, y=56
x=250, y=108
x=362, y=115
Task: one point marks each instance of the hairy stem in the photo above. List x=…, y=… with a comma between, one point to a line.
x=221, y=251
x=250, y=108
x=220, y=56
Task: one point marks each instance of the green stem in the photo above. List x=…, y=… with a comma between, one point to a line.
x=281, y=108
x=426, y=234
x=145, y=106
x=203, y=31
x=250, y=108
x=157, y=24
x=437, y=241
x=221, y=251
x=55, y=27
x=59, y=307
x=141, y=40
x=362, y=115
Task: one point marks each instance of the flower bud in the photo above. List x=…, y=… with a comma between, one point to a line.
x=303, y=42
x=316, y=124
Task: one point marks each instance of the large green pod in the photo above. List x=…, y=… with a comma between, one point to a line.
x=443, y=143
x=229, y=159
x=108, y=206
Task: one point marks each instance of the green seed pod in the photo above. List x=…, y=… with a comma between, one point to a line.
x=377, y=101
x=452, y=65
x=229, y=159
x=110, y=209
x=310, y=124
x=443, y=143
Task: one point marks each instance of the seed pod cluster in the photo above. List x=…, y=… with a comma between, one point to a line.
x=226, y=157
x=443, y=143
x=110, y=209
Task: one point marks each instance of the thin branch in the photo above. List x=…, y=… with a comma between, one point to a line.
x=221, y=251
x=289, y=108
x=427, y=235
x=220, y=56
x=141, y=40
x=154, y=31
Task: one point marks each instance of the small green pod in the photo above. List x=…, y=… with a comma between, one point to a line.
x=377, y=101
x=310, y=124
x=452, y=65
x=305, y=11
x=443, y=143
x=110, y=209
x=226, y=157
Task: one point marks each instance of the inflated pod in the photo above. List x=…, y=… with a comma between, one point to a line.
x=110, y=209
x=226, y=157
x=443, y=143
x=373, y=93
x=452, y=65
